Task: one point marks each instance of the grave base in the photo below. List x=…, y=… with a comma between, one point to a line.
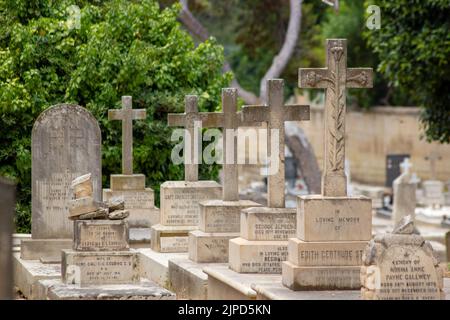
x=86, y=268
x=226, y=284
x=209, y=247
x=155, y=265
x=187, y=278
x=145, y=290
x=46, y=250
x=140, y=238
x=321, y=278
x=170, y=238
x=27, y=274
x=277, y=291
x=247, y=256
x=140, y=204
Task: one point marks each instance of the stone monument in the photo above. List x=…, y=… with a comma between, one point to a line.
x=332, y=228
x=433, y=188
x=179, y=205
x=262, y=245
x=404, y=193
x=220, y=219
x=66, y=143
x=8, y=202
x=139, y=200
x=401, y=266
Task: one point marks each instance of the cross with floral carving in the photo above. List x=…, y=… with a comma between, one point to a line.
x=335, y=79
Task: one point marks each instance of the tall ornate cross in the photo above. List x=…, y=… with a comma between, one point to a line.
x=275, y=113
x=127, y=115
x=187, y=120
x=336, y=78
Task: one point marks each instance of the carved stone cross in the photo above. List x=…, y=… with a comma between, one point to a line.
x=187, y=120
x=275, y=113
x=406, y=165
x=336, y=78
x=127, y=115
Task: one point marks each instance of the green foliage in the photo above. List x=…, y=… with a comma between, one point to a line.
x=121, y=48
x=413, y=45
x=253, y=32
x=350, y=23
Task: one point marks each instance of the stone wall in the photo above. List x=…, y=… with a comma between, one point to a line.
x=371, y=135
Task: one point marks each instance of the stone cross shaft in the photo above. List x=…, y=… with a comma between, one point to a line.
x=187, y=120
x=275, y=113
x=127, y=115
x=336, y=78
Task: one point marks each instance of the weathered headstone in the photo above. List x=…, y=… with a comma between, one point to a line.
x=262, y=245
x=139, y=200
x=404, y=194
x=7, y=201
x=401, y=266
x=66, y=143
x=332, y=228
x=433, y=188
x=220, y=219
x=179, y=204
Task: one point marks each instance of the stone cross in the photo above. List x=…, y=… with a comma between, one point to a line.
x=127, y=115
x=275, y=113
x=433, y=157
x=187, y=120
x=406, y=165
x=7, y=200
x=336, y=78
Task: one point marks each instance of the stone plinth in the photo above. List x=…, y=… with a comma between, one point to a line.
x=180, y=201
x=219, y=222
x=99, y=268
x=44, y=249
x=334, y=218
x=180, y=213
x=170, y=238
x=100, y=235
x=145, y=290
x=433, y=193
x=262, y=245
x=139, y=200
x=332, y=233
x=209, y=246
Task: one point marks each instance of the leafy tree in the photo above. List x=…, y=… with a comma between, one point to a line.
x=350, y=23
x=118, y=48
x=413, y=45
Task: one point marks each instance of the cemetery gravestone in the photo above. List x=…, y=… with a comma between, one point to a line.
x=139, y=200
x=7, y=200
x=401, y=266
x=220, y=219
x=332, y=228
x=404, y=193
x=433, y=188
x=262, y=245
x=66, y=143
x=179, y=205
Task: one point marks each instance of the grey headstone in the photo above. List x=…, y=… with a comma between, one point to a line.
x=66, y=143
x=7, y=201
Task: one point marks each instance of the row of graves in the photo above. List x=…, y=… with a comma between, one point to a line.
x=204, y=242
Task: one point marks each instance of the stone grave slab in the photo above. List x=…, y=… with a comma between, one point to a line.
x=145, y=290
x=154, y=265
x=226, y=284
x=100, y=235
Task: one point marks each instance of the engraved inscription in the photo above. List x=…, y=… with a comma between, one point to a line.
x=268, y=261
x=174, y=244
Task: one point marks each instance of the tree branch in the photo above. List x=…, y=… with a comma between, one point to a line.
x=196, y=29
x=280, y=61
